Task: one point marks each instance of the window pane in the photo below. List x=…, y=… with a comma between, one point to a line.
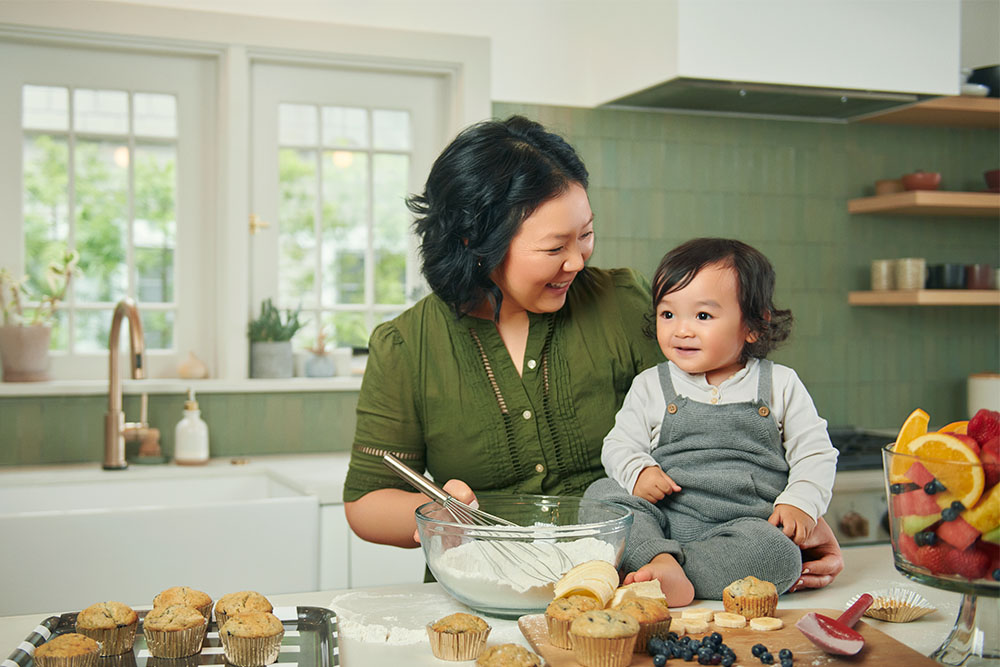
x=157, y=329
x=101, y=220
x=155, y=115
x=348, y=329
x=45, y=108
x=60, y=332
x=391, y=224
x=103, y=111
x=297, y=125
x=46, y=209
x=345, y=127
x=345, y=225
x=155, y=230
x=392, y=129
x=297, y=229
x=92, y=329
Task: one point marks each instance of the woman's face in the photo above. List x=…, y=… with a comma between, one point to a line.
x=545, y=255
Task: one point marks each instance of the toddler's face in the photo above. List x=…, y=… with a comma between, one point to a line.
x=700, y=327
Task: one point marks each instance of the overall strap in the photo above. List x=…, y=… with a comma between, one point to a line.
x=764, y=368
x=666, y=384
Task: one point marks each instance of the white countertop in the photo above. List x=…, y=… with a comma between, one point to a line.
x=867, y=568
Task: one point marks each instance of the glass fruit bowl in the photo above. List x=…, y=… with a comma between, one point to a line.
x=944, y=520
x=509, y=571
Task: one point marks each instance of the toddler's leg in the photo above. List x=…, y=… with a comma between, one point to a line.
x=737, y=549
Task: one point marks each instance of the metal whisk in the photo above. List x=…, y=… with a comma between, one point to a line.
x=528, y=557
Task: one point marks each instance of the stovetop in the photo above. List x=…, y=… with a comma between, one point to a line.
x=860, y=449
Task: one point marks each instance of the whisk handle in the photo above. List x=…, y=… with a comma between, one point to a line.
x=418, y=481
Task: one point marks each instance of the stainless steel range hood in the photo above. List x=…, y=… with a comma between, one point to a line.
x=766, y=100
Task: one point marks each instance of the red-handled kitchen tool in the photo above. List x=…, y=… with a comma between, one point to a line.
x=836, y=635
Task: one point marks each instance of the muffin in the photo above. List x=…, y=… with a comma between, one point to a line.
x=235, y=603
x=750, y=597
x=653, y=617
x=508, y=655
x=458, y=636
x=110, y=624
x=176, y=631
x=252, y=638
x=560, y=614
x=603, y=638
x=188, y=597
x=68, y=650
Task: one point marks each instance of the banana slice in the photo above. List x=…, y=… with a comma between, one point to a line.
x=766, y=623
x=678, y=625
x=639, y=589
x=702, y=614
x=725, y=619
x=695, y=627
x=594, y=578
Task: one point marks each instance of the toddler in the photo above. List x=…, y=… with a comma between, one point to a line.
x=719, y=452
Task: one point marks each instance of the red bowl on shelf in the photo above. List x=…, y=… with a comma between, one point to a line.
x=992, y=180
x=922, y=180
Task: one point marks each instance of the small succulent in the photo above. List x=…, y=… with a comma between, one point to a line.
x=270, y=327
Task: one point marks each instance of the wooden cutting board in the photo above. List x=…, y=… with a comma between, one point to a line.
x=880, y=649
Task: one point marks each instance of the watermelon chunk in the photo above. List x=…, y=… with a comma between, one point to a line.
x=914, y=523
x=919, y=474
x=958, y=533
x=914, y=502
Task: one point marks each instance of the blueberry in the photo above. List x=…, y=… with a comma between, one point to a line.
x=957, y=506
x=716, y=659
x=767, y=658
x=677, y=650
x=716, y=638
x=694, y=645
x=687, y=655
x=685, y=640
x=659, y=660
x=704, y=659
x=787, y=663
x=705, y=652
x=996, y=574
x=897, y=488
x=785, y=654
x=655, y=645
x=727, y=661
x=918, y=538
x=757, y=650
x=672, y=636
x=949, y=514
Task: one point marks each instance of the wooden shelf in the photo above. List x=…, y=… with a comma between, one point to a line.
x=958, y=111
x=930, y=202
x=926, y=297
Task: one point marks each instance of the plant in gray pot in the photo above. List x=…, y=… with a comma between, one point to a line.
x=24, y=339
x=271, y=342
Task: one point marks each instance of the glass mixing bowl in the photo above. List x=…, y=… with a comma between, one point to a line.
x=509, y=571
x=939, y=548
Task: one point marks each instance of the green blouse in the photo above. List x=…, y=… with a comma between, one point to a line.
x=442, y=394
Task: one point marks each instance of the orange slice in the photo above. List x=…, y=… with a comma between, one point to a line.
x=954, y=464
x=914, y=427
x=962, y=428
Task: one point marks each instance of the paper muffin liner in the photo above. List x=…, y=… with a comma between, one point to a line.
x=457, y=645
x=251, y=651
x=187, y=661
x=751, y=607
x=897, y=605
x=175, y=643
x=603, y=651
x=113, y=641
x=83, y=660
x=649, y=630
x=559, y=631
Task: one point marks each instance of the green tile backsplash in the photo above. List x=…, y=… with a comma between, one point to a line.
x=658, y=179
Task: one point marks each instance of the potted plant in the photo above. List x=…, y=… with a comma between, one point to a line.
x=320, y=364
x=271, y=341
x=24, y=341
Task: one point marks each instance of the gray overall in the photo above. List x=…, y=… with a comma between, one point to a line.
x=730, y=464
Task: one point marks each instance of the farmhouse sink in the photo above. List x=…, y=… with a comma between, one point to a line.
x=76, y=535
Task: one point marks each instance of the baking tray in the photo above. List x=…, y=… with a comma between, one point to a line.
x=310, y=641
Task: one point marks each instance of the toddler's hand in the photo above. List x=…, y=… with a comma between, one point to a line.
x=794, y=523
x=653, y=484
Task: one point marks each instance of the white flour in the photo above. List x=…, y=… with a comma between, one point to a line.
x=503, y=583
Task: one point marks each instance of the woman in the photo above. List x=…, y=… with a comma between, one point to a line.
x=509, y=375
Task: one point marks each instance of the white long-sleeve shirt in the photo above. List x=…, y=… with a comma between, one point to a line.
x=811, y=457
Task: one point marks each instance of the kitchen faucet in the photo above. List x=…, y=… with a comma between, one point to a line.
x=116, y=430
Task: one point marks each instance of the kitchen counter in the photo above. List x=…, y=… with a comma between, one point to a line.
x=404, y=610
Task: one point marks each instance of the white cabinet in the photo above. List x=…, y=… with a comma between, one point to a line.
x=334, y=555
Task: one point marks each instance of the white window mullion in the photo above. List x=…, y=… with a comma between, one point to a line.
x=318, y=219
x=370, y=223
x=71, y=216
x=131, y=284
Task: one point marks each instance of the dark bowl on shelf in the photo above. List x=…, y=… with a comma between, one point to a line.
x=989, y=77
x=992, y=180
x=922, y=180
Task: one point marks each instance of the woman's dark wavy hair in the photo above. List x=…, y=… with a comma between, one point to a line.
x=755, y=283
x=491, y=177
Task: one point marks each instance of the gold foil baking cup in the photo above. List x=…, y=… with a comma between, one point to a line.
x=559, y=632
x=251, y=651
x=457, y=645
x=113, y=641
x=174, y=643
x=603, y=651
x=83, y=660
x=897, y=605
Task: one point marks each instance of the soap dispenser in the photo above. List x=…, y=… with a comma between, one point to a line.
x=191, y=435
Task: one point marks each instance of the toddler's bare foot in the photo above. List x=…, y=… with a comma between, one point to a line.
x=675, y=585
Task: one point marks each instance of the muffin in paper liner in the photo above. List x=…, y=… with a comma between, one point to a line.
x=174, y=639
x=649, y=630
x=69, y=650
x=897, y=605
x=750, y=597
x=561, y=612
x=186, y=596
x=111, y=624
x=603, y=651
x=252, y=638
x=234, y=603
x=458, y=636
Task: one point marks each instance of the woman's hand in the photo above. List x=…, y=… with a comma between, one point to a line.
x=460, y=491
x=821, y=558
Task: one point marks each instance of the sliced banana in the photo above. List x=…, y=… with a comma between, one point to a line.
x=695, y=627
x=703, y=614
x=594, y=578
x=639, y=589
x=766, y=623
x=678, y=625
x=725, y=619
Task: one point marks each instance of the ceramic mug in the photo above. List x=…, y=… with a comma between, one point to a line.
x=945, y=276
x=979, y=276
x=910, y=273
x=883, y=277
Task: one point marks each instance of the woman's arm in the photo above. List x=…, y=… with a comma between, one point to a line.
x=821, y=559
